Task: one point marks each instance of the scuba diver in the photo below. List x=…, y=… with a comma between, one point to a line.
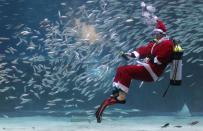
x=155, y=56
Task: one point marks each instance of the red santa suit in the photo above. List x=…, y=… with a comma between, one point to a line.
x=151, y=69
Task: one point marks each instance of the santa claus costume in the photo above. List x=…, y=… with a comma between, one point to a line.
x=157, y=54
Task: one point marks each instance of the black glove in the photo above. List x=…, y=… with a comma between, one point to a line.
x=127, y=55
x=132, y=55
x=151, y=58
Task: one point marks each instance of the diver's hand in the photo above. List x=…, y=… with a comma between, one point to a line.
x=127, y=56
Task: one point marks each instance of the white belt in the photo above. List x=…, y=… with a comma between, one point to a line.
x=149, y=69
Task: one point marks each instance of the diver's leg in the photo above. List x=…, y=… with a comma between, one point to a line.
x=122, y=81
x=125, y=74
x=117, y=97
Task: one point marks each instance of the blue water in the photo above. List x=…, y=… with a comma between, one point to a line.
x=50, y=66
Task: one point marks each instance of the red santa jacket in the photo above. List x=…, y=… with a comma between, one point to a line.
x=161, y=50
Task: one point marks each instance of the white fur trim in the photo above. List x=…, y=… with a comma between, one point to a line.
x=155, y=18
x=149, y=69
x=137, y=55
x=158, y=30
x=157, y=61
x=120, y=86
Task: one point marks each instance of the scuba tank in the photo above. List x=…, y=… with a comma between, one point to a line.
x=176, y=65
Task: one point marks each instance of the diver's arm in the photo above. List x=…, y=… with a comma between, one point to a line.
x=140, y=52
x=143, y=51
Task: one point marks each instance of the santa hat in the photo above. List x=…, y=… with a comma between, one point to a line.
x=160, y=27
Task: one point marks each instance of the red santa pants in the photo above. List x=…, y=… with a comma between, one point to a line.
x=125, y=74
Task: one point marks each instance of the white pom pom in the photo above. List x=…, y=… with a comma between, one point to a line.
x=155, y=18
x=150, y=8
x=143, y=4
